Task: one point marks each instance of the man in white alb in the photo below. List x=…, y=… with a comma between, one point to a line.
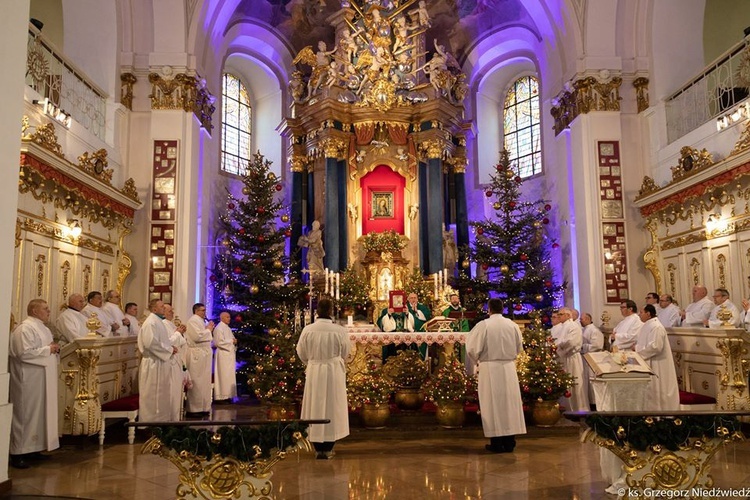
x=568, y=353
x=593, y=341
x=154, y=375
x=624, y=334
x=699, y=309
x=653, y=346
x=71, y=323
x=131, y=314
x=722, y=302
x=199, y=361
x=94, y=306
x=177, y=367
x=112, y=307
x=225, y=377
x=668, y=312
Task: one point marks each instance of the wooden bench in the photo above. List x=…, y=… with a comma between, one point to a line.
x=126, y=407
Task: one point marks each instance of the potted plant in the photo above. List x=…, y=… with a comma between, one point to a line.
x=370, y=391
x=449, y=389
x=543, y=380
x=408, y=372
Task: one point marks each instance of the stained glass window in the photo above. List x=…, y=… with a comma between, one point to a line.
x=236, y=117
x=522, y=128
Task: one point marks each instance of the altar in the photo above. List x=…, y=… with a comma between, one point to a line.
x=367, y=343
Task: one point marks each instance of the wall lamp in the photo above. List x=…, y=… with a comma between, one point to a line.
x=53, y=111
x=74, y=228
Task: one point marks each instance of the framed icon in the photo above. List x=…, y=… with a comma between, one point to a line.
x=397, y=300
x=382, y=205
x=162, y=278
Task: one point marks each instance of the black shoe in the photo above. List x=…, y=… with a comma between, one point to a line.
x=36, y=456
x=205, y=414
x=496, y=449
x=18, y=462
x=193, y=414
x=321, y=455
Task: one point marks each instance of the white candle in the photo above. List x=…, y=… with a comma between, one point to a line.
x=435, y=280
x=332, y=288
x=350, y=320
x=326, y=274
x=337, y=285
x=445, y=277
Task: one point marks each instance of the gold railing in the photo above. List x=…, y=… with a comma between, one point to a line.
x=67, y=87
x=716, y=90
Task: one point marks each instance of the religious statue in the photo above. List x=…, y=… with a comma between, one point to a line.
x=313, y=241
x=450, y=251
x=297, y=86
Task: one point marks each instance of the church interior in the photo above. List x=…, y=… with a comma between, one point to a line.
x=133, y=122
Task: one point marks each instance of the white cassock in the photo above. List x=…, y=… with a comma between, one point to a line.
x=33, y=388
x=70, y=325
x=199, y=361
x=697, y=312
x=154, y=375
x=134, y=327
x=715, y=322
x=323, y=346
x=106, y=329
x=626, y=332
x=116, y=315
x=556, y=330
x=653, y=346
x=495, y=343
x=593, y=341
x=176, y=371
x=568, y=352
x=225, y=378
x=669, y=316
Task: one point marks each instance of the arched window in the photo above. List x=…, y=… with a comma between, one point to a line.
x=236, y=116
x=521, y=126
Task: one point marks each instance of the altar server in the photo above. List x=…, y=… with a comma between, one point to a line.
x=323, y=346
x=225, y=377
x=154, y=374
x=653, y=346
x=495, y=343
x=33, y=386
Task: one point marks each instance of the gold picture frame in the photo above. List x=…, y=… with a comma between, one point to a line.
x=382, y=205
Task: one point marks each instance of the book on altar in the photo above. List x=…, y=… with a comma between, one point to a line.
x=617, y=364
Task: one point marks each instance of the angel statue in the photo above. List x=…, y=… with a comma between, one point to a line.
x=319, y=61
x=450, y=251
x=313, y=241
x=353, y=211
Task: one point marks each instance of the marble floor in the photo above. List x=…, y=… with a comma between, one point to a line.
x=395, y=463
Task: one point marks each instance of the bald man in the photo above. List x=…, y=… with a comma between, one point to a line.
x=698, y=311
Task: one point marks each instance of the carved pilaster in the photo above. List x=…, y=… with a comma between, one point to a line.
x=332, y=148
x=127, y=80
x=432, y=149
x=733, y=392
x=641, y=93
x=297, y=163
x=651, y=258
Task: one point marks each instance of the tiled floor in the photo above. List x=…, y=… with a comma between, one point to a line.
x=391, y=464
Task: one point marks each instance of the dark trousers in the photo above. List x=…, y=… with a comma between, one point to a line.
x=324, y=446
x=506, y=442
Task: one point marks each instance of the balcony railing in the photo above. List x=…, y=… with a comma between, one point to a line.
x=67, y=87
x=708, y=95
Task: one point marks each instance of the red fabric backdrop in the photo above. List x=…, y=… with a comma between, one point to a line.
x=383, y=180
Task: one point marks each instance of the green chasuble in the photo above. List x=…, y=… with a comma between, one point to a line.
x=419, y=323
x=459, y=325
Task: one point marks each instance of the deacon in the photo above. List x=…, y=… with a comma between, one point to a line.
x=154, y=374
x=495, y=343
x=323, y=346
x=568, y=353
x=653, y=346
x=225, y=377
x=199, y=361
x=71, y=323
x=33, y=364
x=392, y=321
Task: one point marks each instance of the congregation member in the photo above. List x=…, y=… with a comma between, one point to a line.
x=33, y=360
x=199, y=361
x=721, y=301
x=71, y=322
x=593, y=341
x=698, y=311
x=131, y=314
x=154, y=374
x=668, y=312
x=94, y=306
x=179, y=376
x=653, y=346
x=568, y=353
x=112, y=307
x=494, y=343
x=624, y=334
x=322, y=347
x=225, y=376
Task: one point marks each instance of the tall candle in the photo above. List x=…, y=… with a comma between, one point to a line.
x=445, y=277
x=333, y=289
x=326, y=275
x=435, y=280
x=337, y=285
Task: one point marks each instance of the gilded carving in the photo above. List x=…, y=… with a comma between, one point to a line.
x=56, y=233
x=127, y=80
x=65, y=267
x=733, y=376
x=641, y=93
x=105, y=279
x=648, y=186
x=671, y=272
x=332, y=148
x=297, y=163
x=459, y=165
x=129, y=190
x=651, y=257
x=691, y=161
x=45, y=136
x=86, y=279
x=583, y=96
x=95, y=164
x=165, y=93
x=721, y=267
x=124, y=263
x=743, y=142
x=432, y=149
x=695, y=267
x=41, y=261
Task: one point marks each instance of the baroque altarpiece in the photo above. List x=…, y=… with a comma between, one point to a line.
x=378, y=141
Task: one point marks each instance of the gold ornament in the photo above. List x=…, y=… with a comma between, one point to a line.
x=225, y=242
x=677, y=422
x=656, y=448
x=254, y=289
x=509, y=174
x=285, y=218
x=621, y=432
x=497, y=205
x=277, y=264
x=539, y=297
x=465, y=264
x=216, y=438
x=649, y=420
x=273, y=332
x=246, y=190
x=504, y=268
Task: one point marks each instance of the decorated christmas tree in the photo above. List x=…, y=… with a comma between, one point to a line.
x=511, y=248
x=540, y=375
x=251, y=277
x=354, y=293
x=278, y=375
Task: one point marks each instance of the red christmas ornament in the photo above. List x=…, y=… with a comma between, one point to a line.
x=261, y=238
x=549, y=390
x=500, y=168
x=567, y=394
x=280, y=361
x=213, y=278
x=518, y=307
x=526, y=388
x=261, y=210
x=555, y=245
x=524, y=257
x=275, y=348
x=485, y=266
x=548, y=284
x=480, y=230
x=258, y=262
x=268, y=348
x=518, y=179
x=512, y=204
x=488, y=194
x=545, y=319
x=278, y=187
x=548, y=207
x=287, y=233
x=237, y=270
x=242, y=230
x=230, y=206
x=545, y=221
x=238, y=318
x=276, y=315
